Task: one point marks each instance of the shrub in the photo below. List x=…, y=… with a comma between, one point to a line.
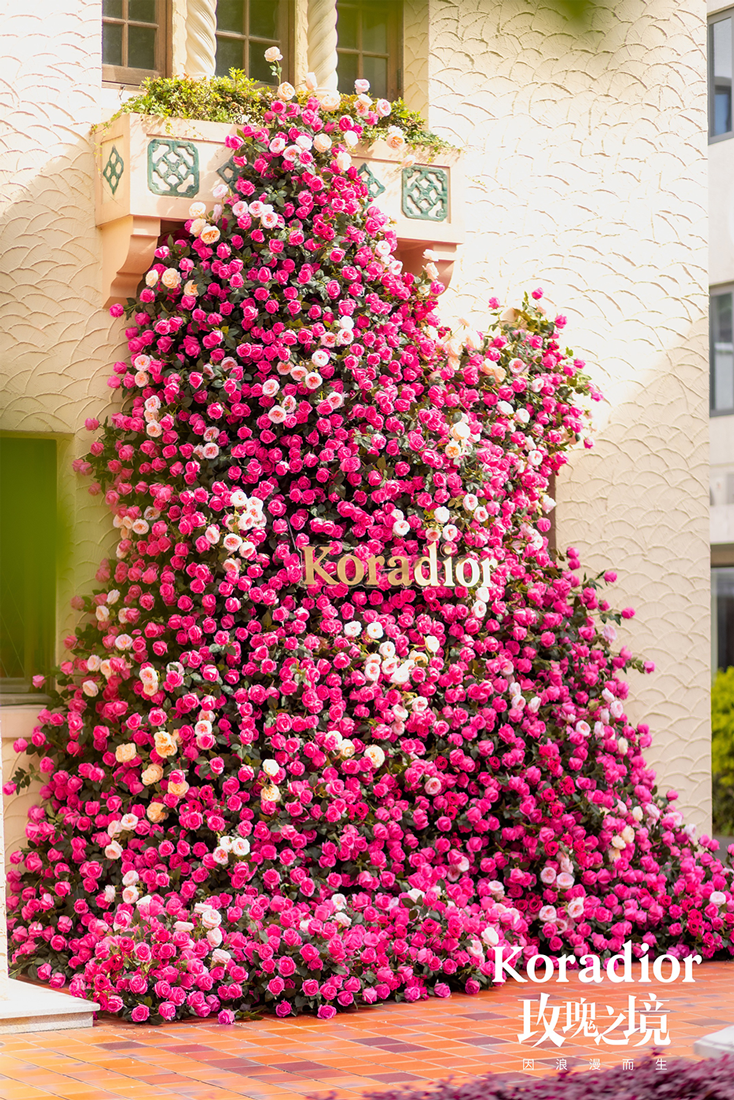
x=708, y=1079
x=236, y=98
x=722, y=750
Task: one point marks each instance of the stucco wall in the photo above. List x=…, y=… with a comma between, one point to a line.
x=56, y=343
x=587, y=175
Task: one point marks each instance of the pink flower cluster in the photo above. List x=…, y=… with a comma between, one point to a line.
x=258, y=792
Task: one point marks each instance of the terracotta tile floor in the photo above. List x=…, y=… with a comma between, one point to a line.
x=271, y=1059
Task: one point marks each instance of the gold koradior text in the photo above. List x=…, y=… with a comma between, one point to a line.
x=401, y=570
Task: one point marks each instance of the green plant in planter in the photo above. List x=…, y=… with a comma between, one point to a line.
x=722, y=750
x=237, y=99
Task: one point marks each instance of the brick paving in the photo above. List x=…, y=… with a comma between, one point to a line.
x=362, y=1051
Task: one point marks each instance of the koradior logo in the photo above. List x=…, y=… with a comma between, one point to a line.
x=401, y=571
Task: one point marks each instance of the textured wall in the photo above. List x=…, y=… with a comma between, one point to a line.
x=587, y=163
x=56, y=343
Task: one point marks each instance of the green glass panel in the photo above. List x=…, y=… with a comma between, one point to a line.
x=141, y=47
x=112, y=8
x=347, y=72
x=28, y=543
x=375, y=70
x=259, y=68
x=346, y=26
x=112, y=43
x=229, y=54
x=141, y=11
x=264, y=19
x=374, y=27
x=231, y=16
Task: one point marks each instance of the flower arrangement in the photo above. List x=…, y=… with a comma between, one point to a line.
x=264, y=794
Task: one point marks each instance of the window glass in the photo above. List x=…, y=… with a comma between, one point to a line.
x=141, y=11
x=369, y=45
x=720, y=62
x=263, y=19
x=245, y=30
x=231, y=15
x=347, y=27
x=722, y=353
x=141, y=47
x=112, y=44
x=27, y=560
x=374, y=28
x=134, y=39
x=722, y=596
x=229, y=55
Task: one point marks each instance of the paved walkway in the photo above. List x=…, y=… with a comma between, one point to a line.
x=373, y=1048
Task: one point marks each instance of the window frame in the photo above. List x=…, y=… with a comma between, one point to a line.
x=20, y=690
x=395, y=36
x=717, y=292
x=287, y=13
x=717, y=17
x=132, y=77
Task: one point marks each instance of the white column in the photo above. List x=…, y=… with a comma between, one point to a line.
x=322, y=56
x=201, y=42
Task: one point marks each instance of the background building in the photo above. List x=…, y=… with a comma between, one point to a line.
x=721, y=277
x=585, y=163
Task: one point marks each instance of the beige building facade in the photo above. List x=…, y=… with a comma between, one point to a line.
x=585, y=166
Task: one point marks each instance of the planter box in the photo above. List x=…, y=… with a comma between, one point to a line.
x=150, y=170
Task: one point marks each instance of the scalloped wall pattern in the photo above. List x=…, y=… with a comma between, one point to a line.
x=586, y=173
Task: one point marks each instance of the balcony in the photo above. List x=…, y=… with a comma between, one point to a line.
x=150, y=170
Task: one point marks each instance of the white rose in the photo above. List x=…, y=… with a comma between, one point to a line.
x=375, y=755
x=330, y=100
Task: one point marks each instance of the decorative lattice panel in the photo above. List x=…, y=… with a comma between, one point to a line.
x=228, y=171
x=370, y=180
x=173, y=167
x=426, y=193
x=113, y=169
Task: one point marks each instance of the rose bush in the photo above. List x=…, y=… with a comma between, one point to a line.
x=261, y=793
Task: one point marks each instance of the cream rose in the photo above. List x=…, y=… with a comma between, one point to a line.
x=209, y=234
x=330, y=100
x=152, y=774
x=165, y=744
x=171, y=278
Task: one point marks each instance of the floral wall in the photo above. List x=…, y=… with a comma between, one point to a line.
x=585, y=163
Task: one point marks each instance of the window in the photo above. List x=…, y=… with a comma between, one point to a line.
x=370, y=43
x=246, y=29
x=28, y=538
x=721, y=355
x=135, y=37
x=722, y=617
x=721, y=30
